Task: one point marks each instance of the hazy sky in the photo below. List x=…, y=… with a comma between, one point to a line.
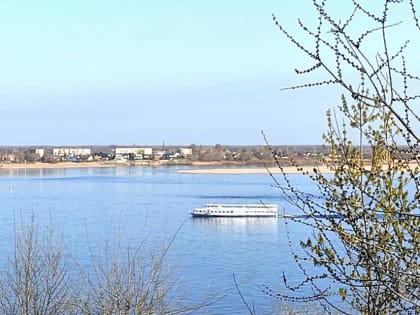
x=137, y=71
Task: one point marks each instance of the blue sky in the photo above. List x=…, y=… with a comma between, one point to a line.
x=123, y=72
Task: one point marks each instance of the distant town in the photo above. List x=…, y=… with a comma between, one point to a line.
x=191, y=154
x=165, y=154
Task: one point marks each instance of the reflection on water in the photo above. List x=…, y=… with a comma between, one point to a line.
x=268, y=223
x=37, y=172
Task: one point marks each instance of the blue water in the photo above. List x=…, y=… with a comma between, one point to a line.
x=90, y=205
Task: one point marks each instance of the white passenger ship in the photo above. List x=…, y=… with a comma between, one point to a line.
x=236, y=210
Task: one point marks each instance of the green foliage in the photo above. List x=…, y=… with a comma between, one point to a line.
x=372, y=210
x=366, y=223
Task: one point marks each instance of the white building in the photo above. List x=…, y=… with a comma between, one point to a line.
x=185, y=152
x=136, y=152
x=60, y=152
x=133, y=150
x=40, y=152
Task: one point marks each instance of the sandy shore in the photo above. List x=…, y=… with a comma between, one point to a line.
x=262, y=170
x=38, y=165
x=196, y=167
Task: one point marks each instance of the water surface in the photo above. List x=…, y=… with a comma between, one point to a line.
x=91, y=204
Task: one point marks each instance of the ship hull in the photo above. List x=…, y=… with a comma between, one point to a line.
x=236, y=211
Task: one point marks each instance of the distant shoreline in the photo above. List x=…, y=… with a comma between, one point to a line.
x=37, y=165
x=192, y=167
x=40, y=165
x=196, y=167
x=186, y=163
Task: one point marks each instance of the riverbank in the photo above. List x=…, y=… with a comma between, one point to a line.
x=53, y=165
x=39, y=165
x=197, y=167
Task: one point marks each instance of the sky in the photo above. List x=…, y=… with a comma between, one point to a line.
x=145, y=72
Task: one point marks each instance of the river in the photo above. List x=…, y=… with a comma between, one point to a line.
x=89, y=205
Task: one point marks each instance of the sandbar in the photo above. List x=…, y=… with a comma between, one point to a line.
x=322, y=169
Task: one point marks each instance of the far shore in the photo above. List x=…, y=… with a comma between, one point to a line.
x=190, y=167
x=93, y=164
x=196, y=167
x=53, y=165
